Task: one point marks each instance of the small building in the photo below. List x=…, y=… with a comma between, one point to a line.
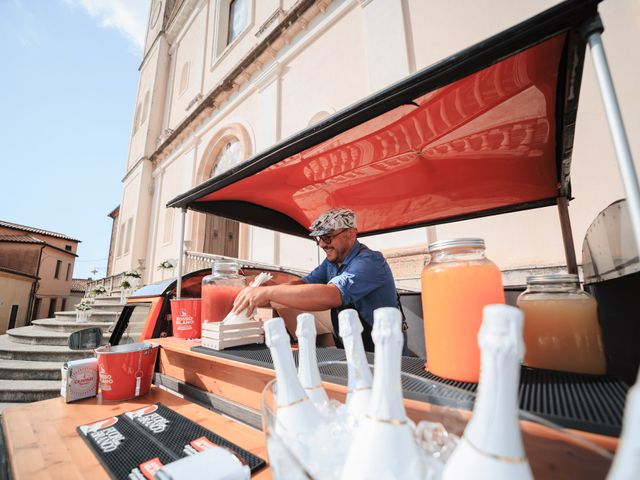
x=47, y=256
x=78, y=291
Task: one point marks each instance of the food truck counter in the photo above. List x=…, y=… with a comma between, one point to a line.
x=42, y=441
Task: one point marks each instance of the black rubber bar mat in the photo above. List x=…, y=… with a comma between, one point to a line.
x=134, y=445
x=591, y=403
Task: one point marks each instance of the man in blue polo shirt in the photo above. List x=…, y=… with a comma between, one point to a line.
x=352, y=276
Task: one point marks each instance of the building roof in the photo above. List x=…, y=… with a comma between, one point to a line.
x=114, y=213
x=39, y=231
x=79, y=284
x=16, y=272
x=20, y=239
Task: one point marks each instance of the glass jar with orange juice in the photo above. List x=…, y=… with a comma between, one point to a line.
x=457, y=282
x=561, y=329
x=220, y=289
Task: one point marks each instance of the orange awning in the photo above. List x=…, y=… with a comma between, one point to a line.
x=486, y=131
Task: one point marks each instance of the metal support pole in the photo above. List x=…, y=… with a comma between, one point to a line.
x=567, y=235
x=181, y=253
x=616, y=126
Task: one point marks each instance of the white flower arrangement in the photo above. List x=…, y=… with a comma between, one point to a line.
x=165, y=265
x=132, y=274
x=99, y=290
x=82, y=306
x=125, y=284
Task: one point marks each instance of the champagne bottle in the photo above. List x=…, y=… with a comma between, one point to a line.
x=308, y=372
x=359, y=377
x=296, y=416
x=384, y=445
x=626, y=463
x=491, y=446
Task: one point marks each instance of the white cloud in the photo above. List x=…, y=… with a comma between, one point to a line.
x=129, y=17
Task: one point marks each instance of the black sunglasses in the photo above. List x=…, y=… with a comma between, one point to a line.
x=328, y=238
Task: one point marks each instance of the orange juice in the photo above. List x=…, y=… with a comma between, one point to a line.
x=456, y=285
x=561, y=330
x=217, y=301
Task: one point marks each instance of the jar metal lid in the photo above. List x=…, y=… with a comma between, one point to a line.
x=456, y=242
x=553, y=279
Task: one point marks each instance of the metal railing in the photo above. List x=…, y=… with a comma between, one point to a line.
x=111, y=284
x=197, y=261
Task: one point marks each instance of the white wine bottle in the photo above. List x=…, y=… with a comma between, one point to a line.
x=384, y=445
x=626, y=464
x=308, y=372
x=296, y=416
x=491, y=447
x=359, y=379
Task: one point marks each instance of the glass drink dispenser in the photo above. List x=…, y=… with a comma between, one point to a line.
x=457, y=282
x=561, y=329
x=220, y=289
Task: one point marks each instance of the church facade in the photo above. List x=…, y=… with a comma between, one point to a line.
x=221, y=80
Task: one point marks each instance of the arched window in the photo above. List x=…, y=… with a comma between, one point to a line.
x=229, y=156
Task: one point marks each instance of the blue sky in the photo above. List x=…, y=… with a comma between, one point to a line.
x=68, y=78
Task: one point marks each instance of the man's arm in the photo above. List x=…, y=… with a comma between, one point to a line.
x=301, y=296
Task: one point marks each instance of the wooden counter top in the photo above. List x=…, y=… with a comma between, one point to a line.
x=42, y=442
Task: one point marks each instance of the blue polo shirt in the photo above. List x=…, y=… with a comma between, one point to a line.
x=364, y=280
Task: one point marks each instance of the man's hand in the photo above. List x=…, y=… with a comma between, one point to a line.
x=309, y=297
x=251, y=298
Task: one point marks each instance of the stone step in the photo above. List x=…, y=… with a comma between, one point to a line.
x=67, y=326
x=107, y=307
x=111, y=300
x=28, y=390
x=26, y=370
x=47, y=353
x=93, y=317
x=32, y=335
x=98, y=307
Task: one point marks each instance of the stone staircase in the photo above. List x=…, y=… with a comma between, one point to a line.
x=31, y=357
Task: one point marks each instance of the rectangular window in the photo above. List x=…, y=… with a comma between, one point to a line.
x=68, y=271
x=52, y=308
x=63, y=306
x=68, y=248
x=238, y=18
x=13, y=316
x=58, y=265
